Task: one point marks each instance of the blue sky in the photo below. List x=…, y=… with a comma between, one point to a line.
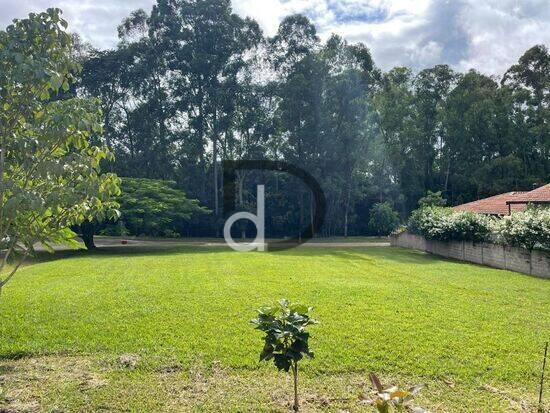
x=488, y=35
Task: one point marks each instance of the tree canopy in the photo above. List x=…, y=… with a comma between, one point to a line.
x=191, y=84
x=155, y=208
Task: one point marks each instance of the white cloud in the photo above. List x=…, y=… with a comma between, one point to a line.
x=488, y=35
x=95, y=20
x=501, y=30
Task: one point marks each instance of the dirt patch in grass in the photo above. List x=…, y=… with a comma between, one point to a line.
x=25, y=383
x=87, y=384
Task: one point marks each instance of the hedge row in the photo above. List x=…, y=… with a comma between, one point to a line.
x=529, y=229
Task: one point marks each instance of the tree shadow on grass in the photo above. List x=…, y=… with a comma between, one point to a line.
x=372, y=254
x=123, y=251
x=407, y=256
x=363, y=254
x=14, y=355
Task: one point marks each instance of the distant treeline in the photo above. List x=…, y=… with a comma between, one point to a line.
x=191, y=83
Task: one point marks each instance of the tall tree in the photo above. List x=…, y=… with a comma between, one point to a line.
x=529, y=81
x=206, y=46
x=475, y=133
x=300, y=88
x=345, y=132
x=431, y=88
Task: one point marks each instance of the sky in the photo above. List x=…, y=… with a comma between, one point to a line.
x=487, y=35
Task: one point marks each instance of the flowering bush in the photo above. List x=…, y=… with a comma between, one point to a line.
x=527, y=229
x=444, y=224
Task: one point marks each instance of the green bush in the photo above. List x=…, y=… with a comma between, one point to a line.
x=383, y=219
x=117, y=229
x=444, y=224
x=529, y=229
x=432, y=199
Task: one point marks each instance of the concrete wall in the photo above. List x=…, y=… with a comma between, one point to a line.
x=536, y=263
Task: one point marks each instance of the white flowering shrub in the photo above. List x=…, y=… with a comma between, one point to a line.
x=444, y=224
x=529, y=229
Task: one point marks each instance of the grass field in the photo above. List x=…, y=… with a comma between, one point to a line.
x=168, y=330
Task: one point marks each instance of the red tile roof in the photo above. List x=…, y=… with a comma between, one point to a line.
x=539, y=195
x=494, y=205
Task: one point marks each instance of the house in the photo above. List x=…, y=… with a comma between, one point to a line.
x=505, y=204
x=539, y=196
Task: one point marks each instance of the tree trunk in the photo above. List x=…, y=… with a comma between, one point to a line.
x=215, y=170
x=2, y=167
x=88, y=229
x=301, y=216
x=240, y=190
x=311, y=214
x=346, y=223
x=448, y=172
x=346, y=211
x=296, y=406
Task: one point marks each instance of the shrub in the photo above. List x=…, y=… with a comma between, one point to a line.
x=115, y=230
x=424, y=221
x=383, y=219
x=444, y=224
x=399, y=230
x=286, y=337
x=527, y=229
x=432, y=199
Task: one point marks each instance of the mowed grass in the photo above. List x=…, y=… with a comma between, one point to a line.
x=475, y=335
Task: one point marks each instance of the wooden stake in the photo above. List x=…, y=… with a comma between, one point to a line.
x=542, y=376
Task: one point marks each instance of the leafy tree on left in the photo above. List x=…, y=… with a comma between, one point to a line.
x=50, y=176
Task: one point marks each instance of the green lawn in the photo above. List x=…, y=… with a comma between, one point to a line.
x=475, y=335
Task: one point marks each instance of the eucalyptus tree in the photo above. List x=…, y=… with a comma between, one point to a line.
x=105, y=76
x=205, y=47
x=409, y=109
x=476, y=125
x=296, y=39
x=431, y=88
x=529, y=81
x=345, y=111
x=135, y=100
x=49, y=172
x=299, y=90
x=394, y=106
